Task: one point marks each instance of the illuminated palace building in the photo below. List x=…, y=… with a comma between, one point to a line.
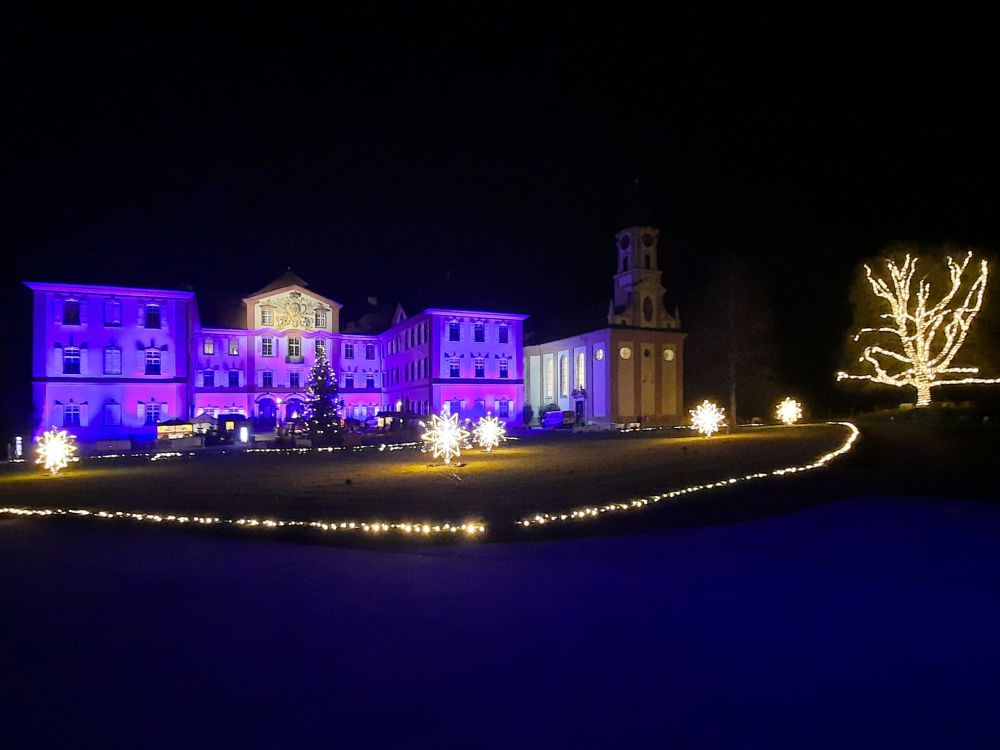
x=112, y=362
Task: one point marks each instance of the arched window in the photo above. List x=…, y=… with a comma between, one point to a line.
x=563, y=375
x=581, y=370
x=550, y=380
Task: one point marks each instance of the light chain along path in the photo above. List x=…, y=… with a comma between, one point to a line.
x=417, y=529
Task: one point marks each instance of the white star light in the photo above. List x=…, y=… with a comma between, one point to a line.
x=55, y=450
x=445, y=437
x=490, y=432
x=788, y=411
x=707, y=418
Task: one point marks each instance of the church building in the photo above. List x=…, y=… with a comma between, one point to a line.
x=629, y=371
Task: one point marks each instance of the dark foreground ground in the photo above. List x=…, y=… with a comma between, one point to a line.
x=847, y=618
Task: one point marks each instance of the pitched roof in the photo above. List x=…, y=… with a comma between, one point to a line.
x=288, y=278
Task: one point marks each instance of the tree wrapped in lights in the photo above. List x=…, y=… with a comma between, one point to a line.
x=322, y=417
x=707, y=418
x=788, y=411
x=55, y=450
x=445, y=436
x=489, y=433
x=917, y=340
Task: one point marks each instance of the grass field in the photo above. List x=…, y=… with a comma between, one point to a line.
x=548, y=472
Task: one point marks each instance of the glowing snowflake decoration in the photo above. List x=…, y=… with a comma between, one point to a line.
x=55, y=450
x=490, y=432
x=445, y=437
x=707, y=418
x=788, y=411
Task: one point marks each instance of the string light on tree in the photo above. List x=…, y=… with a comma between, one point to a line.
x=707, y=418
x=322, y=416
x=925, y=337
x=445, y=436
x=55, y=450
x=788, y=411
x=489, y=433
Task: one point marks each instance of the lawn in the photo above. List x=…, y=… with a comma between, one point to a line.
x=548, y=472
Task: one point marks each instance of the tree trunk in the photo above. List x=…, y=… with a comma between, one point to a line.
x=923, y=394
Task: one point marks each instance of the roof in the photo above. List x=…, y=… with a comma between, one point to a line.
x=288, y=278
x=46, y=286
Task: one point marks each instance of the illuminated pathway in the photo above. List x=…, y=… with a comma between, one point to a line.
x=415, y=528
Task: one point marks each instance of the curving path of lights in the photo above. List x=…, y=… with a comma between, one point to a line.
x=475, y=529
x=583, y=514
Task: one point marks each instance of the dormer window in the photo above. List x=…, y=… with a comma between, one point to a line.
x=71, y=312
x=152, y=316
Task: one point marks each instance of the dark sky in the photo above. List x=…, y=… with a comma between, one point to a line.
x=489, y=160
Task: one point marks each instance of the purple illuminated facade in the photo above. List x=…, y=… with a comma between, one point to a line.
x=111, y=362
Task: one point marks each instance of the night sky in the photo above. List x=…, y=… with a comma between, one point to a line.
x=489, y=161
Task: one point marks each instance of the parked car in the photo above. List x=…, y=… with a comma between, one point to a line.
x=556, y=419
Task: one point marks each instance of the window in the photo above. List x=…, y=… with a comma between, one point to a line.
x=369, y=351
x=480, y=367
x=71, y=415
x=454, y=333
x=152, y=361
x=112, y=312
x=234, y=347
x=550, y=380
x=407, y=339
x=293, y=380
x=370, y=380
x=152, y=413
x=320, y=319
x=478, y=408
x=295, y=348
x=320, y=346
x=208, y=346
x=71, y=312
x=581, y=370
x=267, y=379
x=502, y=333
x=112, y=360
x=503, y=368
x=152, y=315
x=563, y=375
x=208, y=378
x=112, y=414
x=479, y=332
x=348, y=380
x=455, y=406
x=266, y=317
x=503, y=409
x=267, y=346
x=348, y=351
x=234, y=378
x=71, y=360
x=455, y=367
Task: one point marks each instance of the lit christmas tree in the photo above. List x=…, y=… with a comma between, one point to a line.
x=322, y=419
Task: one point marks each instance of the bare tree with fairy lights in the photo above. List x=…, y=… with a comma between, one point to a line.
x=916, y=340
x=322, y=417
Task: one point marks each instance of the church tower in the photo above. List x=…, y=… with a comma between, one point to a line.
x=639, y=292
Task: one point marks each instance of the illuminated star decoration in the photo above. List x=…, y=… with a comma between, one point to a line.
x=924, y=336
x=707, y=418
x=55, y=450
x=489, y=432
x=445, y=437
x=788, y=411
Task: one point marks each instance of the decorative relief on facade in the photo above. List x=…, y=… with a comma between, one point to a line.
x=294, y=310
